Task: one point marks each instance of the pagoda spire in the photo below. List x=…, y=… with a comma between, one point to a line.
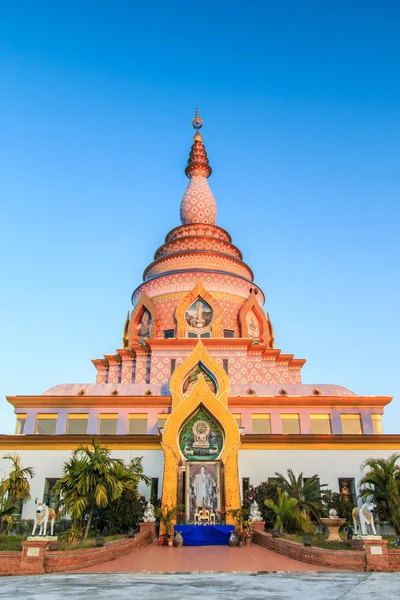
x=198, y=203
x=198, y=161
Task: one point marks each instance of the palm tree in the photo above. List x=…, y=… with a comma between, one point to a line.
x=7, y=510
x=92, y=478
x=16, y=486
x=286, y=509
x=308, y=493
x=382, y=482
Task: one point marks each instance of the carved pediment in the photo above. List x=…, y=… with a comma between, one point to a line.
x=142, y=324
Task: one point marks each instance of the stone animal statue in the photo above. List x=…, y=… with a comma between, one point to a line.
x=364, y=516
x=43, y=517
x=333, y=513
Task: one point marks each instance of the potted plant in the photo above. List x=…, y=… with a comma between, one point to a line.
x=247, y=532
x=240, y=516
x=167, y=516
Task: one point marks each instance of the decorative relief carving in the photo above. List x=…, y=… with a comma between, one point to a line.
x=253, y=322
x=143, y=320
x=198, y=311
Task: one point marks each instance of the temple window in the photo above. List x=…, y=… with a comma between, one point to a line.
x=377, y=423
x=347, y=488
x=77, y=424
x=173, y=365
x=49, y=497
x=154, y=490
x=169, y=333
x=46, y=424
x=321, y=423
x=245, y=485
x=20, y=427
x=290, y=424
x=261, y=423
x=225, y=365
x=229, y=333
x=238, y=419
x=138, y=424
x=108, y=424
x=351, y=424
x=162, y=418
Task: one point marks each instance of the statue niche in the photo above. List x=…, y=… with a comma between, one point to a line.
x=199, y=318
x=144, y=325
x=201, y=438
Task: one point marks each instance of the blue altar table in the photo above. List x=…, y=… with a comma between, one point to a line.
x=205, y=535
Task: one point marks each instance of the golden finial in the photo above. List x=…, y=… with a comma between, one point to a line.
x=197, y=122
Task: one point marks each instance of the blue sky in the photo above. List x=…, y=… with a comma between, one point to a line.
x=300, y=103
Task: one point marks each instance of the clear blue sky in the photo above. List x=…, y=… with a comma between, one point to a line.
x=300, y=102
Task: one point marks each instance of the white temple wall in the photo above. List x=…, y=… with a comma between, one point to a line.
x=48, y=464
x=328, y=465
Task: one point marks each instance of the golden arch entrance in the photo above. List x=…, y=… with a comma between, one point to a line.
x=220, y=484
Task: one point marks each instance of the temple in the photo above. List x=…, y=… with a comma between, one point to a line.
x=198, y=388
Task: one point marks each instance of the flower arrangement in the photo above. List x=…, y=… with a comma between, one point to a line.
x=221, y=513
x=247, y=529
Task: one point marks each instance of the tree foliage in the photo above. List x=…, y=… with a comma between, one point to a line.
x=265, y=490
x=287, y=509
x=307, y=492
x=339, y=502
x=121, y=515
x=382, y=483
x=17, y=484
x=14, y=490
x=91, y=478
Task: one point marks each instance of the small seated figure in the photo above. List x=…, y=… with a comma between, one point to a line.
x=204, y=517
x=212, y=517
x=345, y=491
x=255, y=513
x=149, y=516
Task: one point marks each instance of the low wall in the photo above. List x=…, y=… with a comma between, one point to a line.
x=10, y=563
x=41, y=559
x=343, y=560
x=394, y=560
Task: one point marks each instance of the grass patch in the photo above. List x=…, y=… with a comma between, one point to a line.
x=319, y=540
x=10, y=543
x=89, y=543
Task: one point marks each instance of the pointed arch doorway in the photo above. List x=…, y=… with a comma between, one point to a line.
x=201, y=439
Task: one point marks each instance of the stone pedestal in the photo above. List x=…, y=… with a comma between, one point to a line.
x=148, y=527
x=258, y=525
x=376, y=553
x=333, y=526
x=33, y=554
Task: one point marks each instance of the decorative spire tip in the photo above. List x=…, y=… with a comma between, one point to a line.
x=197, y=121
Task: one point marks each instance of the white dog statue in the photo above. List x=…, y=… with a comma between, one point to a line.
x=43, y=516
x=364, y=516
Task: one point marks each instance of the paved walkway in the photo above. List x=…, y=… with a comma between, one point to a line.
x=271, y=586
x=189, y=559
